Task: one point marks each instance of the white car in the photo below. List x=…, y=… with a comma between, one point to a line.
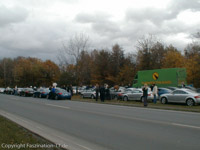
x=186, y=96
x=137, y=94
x=2, y=90
x=90, y=93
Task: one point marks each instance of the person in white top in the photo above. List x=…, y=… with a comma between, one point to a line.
x=155, y=92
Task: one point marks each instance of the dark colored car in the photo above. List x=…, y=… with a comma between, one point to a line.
x=41, y=92
x=163, y=91
x=8, y=90
x=26, y=92
x=59, y=94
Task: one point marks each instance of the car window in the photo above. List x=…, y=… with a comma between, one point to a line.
x=176, y=92
x=182, y=92
x=137, y=91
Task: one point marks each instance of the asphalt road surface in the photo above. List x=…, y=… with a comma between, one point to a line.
x=90, y=126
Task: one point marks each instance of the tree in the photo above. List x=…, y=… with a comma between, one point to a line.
x=73, y=48
x=150, y=53
x=116, y=62
x=173, y=58
x=192, y=54
x=100, y=67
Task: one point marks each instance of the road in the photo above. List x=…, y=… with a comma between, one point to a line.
x=91, y=126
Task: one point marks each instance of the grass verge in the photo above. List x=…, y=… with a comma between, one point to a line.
x=158, y=105
x=15, y=137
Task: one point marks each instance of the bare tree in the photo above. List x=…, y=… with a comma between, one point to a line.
x=71, y=50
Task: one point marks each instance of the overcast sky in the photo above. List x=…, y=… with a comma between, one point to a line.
x=37, y=28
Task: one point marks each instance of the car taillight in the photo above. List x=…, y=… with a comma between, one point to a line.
x=43, y=92
x=149, y=94
x=197, y=96
x=27, y=91
x=120, y=94
x=59, y=93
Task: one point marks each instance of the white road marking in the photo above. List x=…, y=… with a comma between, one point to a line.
x=58, y=106
x=184, y=125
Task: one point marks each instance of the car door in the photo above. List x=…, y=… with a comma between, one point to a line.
x=129, y=94
x=174, y=96
x=182, y=96
x=137, y=94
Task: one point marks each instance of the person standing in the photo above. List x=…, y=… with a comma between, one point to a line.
x=145, y=94
x=53, y=90
x=183, y=85
x=155, y=92
x=97, y=92
x=107, y=92
x=102, y=93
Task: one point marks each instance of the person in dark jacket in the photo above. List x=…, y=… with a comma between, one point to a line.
x=145, y=94
x=102, y=93
x=107, y=92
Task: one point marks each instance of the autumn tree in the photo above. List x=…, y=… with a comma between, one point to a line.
x=67, y=76
x=6, y=72
x=100, y=67
x=192, y=54
x=116, y=62
x=84, y=69
x=150, y=53
x=173, y=58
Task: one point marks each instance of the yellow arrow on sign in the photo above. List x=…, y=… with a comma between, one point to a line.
x=155, y=76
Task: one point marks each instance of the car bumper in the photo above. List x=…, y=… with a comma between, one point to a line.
x=197, y=100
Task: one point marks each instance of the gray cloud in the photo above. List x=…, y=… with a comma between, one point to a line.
x=30, y=30
x=12, y=15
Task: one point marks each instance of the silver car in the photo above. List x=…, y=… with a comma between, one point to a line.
x=90, y=93
x=181, y=96
x=136, y=94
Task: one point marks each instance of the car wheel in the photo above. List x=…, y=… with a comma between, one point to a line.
x=190, y=102
x=164, y=100
x=92, y=97
x=125, y=98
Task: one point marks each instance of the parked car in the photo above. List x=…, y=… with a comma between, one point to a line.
x=91, y=93
x=8, y=90
x=26, y=92
x=163, y=91
x=186, y=96
x=41, y=92
x=198, y=90
x=137, y=94
x=2, y=90
x=117, y=94
x=81, y=89
x=191, y=88
x=59, y=94
x=172, y=88
x=18, y=91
